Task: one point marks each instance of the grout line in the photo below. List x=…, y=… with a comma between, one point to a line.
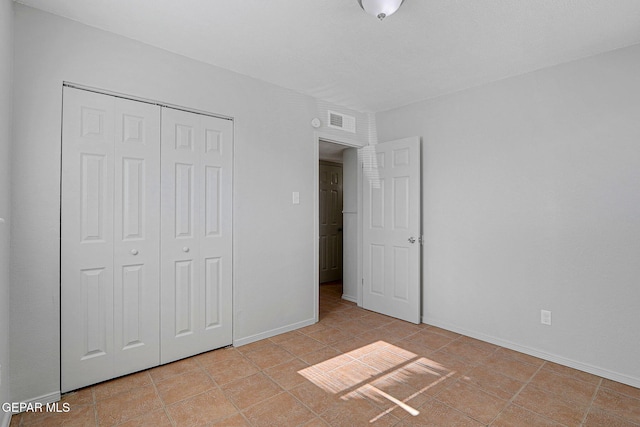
x=94, y=401
x=95, y=414
x=316, y=414
x=458, y=411
x=164, y=407
x=219, y=386
x=593, y=398
x=206, y=372
x=510, y=401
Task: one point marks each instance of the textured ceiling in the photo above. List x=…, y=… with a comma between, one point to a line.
x=332, y=50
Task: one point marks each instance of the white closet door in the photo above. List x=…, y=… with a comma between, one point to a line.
x=196, y=301
x=109, y=302
x=87, y=239
x=136, y=237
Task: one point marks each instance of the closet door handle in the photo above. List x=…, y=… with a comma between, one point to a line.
x=185, y=249
x=134, y=252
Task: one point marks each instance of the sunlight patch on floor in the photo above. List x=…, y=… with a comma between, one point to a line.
x=378, y=371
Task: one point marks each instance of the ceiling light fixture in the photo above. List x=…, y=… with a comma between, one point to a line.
x=380, y=8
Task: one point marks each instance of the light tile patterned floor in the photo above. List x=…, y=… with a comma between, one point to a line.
x=353, y=368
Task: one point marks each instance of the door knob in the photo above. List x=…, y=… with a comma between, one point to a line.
x=134, y=252
x=185, y=249
x=412, y=239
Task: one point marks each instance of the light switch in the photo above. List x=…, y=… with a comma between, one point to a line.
x=296, y=198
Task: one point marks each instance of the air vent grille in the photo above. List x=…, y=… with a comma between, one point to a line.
x=342, y=122
x=335, y=120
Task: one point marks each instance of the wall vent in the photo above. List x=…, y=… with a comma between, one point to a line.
x=342, y=122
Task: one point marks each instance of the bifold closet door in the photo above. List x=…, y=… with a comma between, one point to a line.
x=109, y=237
x=196, y=267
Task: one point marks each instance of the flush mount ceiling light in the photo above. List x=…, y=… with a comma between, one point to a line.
x=380, y=8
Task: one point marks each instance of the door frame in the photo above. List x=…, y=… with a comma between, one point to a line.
x=347, y=143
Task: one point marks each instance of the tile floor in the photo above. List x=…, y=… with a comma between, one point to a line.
x=353, y=368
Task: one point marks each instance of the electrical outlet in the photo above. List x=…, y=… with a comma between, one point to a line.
x=545, y=317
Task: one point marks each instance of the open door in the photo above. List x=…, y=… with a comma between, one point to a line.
x=391, y=228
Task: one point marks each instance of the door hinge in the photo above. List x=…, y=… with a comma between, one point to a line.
x=421, y=239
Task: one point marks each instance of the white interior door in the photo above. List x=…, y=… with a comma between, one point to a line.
x=391, y=228
x=196, y=300
x=109, y=237
x=330, y=222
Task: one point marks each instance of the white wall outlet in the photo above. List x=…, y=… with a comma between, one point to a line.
x=296, y=198
x=545, y=317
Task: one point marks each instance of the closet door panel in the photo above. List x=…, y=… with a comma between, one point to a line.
x=213, y=292
x=196, y=234
x=109, y=237
x=183, y=301
x=86, y=238
x=216, y=242
x=136, y=236
x=180, y=262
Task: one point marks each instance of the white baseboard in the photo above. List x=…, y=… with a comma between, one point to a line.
x=272, y=333
x=604, y=373
x=46, y=398
x=349, y=298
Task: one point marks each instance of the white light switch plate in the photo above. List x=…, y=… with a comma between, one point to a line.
x=545, y=317
x=296, y=198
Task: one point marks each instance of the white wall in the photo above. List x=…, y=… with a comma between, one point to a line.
x=6, y=66
x=274, y=155
x=532, y=201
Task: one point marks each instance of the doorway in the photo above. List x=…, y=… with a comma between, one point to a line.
x=330, y=221
x=392, y=169
x=337, y=260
